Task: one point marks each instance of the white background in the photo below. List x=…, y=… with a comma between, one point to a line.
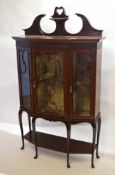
x=16, y=15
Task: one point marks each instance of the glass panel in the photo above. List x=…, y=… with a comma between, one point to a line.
x=49, y=67
x=81, y=84
x=24, y=68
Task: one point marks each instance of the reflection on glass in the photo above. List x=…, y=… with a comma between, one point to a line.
x=24, y=68
x=81, y=86
x=50, y=94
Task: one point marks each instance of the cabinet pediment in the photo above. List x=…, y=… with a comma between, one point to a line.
x=60, y=18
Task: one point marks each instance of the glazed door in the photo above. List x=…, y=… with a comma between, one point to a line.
x=49, y=67
x=24, y=77
x=82, y=97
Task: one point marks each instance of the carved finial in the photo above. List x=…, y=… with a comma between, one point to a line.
x=59, y=12
x=59, y=17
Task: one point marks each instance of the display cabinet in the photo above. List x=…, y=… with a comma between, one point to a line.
x=59, y=80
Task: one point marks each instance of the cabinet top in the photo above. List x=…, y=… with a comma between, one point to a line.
x=60, y=17
x=43, y=38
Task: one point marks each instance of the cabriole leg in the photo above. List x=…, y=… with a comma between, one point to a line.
x=29, y=123
x=21, y=127
x=35, y=136
x=98, y=135
x=93, y=144
x=68, y=126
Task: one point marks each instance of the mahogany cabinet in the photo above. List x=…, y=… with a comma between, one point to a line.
x=59, y=80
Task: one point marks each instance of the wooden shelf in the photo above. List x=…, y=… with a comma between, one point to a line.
x=58, y=143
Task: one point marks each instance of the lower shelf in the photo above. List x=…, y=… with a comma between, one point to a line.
x=58, y=143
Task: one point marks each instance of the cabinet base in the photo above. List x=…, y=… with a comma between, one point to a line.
x=61, y=144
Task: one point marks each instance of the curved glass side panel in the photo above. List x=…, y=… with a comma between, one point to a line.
x=81, y=84
x=50, y=83
x=25, y=83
